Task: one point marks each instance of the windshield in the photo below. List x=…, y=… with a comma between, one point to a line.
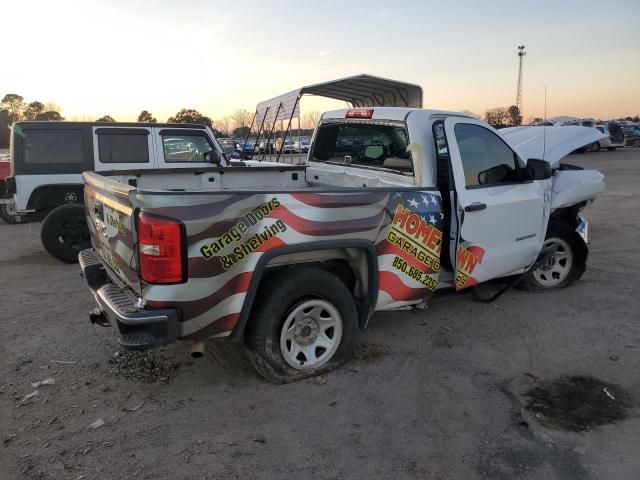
x=365, y=145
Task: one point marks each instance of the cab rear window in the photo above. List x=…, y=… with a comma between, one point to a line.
x=367, y=145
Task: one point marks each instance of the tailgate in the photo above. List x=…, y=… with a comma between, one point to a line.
x=110, y=219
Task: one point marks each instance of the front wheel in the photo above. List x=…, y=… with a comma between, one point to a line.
x=636, y=143
x=304, y=324
x=64, y=232
x=567, y=264
x=595, y=147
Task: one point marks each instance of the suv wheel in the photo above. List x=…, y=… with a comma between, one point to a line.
x=64, y=232
x=565, y=267
x=304, y=323
x=595, y=147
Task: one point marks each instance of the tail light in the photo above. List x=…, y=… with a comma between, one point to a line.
x=161, y=249
x=359, y=113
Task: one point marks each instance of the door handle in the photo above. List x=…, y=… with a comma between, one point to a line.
x=475, y=206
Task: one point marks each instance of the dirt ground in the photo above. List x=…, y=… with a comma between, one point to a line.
x=435, y=394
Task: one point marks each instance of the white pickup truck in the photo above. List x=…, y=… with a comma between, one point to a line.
x=393, y=205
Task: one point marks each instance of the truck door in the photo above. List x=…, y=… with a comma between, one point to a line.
x=501, y=215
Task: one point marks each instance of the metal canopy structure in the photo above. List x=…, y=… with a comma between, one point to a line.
x=357, y=91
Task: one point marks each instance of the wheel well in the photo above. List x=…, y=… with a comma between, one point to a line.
x=47, y=197
x=568, y=218
x=355, y=267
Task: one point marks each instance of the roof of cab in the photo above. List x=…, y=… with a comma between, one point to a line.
x=392, y=113
x=45, y=124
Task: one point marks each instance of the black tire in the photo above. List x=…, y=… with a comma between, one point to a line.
x=578, y=251
x=636, y=143
x=276, y=301
x=64, y=232
x=8, y=216
x=612, y=149
x=595, y=147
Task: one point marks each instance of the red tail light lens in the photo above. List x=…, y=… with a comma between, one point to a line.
x=161, y=245
x=359, y=113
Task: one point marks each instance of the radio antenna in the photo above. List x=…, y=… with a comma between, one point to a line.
x=544, y=131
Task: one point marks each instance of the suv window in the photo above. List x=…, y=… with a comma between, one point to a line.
x=53, y=146
x=486, y=158
x=123, y=147
x=181, y=147
x=367, y=145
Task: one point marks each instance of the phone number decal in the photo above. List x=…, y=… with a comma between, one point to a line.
x=415, y=273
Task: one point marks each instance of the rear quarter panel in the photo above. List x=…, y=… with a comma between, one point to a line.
x=228, y=233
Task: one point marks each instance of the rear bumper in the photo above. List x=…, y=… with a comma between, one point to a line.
x=139, y=329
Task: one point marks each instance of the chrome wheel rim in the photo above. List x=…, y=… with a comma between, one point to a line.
x=311, y=334
x=557, y=268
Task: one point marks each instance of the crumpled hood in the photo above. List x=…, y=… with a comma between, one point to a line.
x=549, y=143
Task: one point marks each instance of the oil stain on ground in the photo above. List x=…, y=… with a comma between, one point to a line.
x=578, y=403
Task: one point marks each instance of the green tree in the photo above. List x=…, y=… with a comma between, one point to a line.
x=515, y=118
x=146, y=117
x=14, y=104
x=106, y=118
x=241, y=132
x=32, y=110
x=190, y=115
x=50, y=116
x=496, y=117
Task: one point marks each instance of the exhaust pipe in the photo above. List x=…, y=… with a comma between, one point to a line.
x=197, y=349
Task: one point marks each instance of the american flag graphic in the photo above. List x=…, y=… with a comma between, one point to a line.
x=227, y=234
x=396, y=287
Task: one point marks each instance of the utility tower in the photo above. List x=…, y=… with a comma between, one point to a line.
x=521, y=54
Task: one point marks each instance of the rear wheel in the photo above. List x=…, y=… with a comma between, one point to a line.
x=636, y=142
x=567, y=264
x=595, y=147
x=64, y=232
x=304, y=324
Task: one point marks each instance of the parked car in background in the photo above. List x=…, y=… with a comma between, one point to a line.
x=614, y=137
x=48, y=159
x=266, y=147
x=230, y=148
x=247, y=150
x=301, y=146
x=6, y=207
x=289, y=147
x=631, y=135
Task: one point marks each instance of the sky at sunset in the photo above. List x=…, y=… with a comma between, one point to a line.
x=119, y=57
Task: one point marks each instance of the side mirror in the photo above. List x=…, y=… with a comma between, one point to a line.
x=538, y=169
